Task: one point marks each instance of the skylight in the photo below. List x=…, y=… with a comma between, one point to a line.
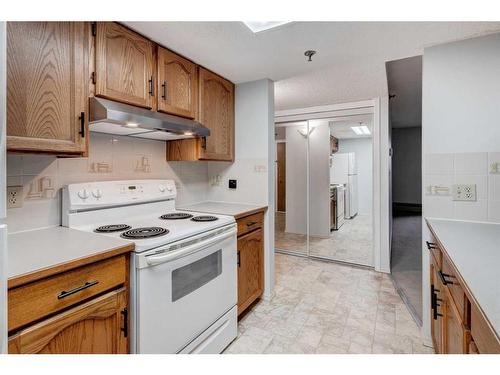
x=258, y=26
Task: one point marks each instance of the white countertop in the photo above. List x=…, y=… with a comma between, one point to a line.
x=222, y=208
x=474, y=248
x=36, y=250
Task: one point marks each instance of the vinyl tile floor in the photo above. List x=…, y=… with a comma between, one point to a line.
x=352, y=243
x=328, y=308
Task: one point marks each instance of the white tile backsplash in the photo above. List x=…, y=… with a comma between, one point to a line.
x=439, y=164
x=126, y=158
x=446, y=170
x=471, y=163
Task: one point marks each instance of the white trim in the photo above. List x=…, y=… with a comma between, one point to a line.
x=379, y=108
x=324, y=108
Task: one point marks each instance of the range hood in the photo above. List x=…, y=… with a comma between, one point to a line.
x=110, y=117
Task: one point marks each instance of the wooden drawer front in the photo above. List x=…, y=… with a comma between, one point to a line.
x=483, y=335
x=249, y=223
x=456, y=290
x=34, y=301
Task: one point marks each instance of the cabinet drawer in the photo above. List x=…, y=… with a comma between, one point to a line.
x=39, y=299
x=456, y=290
x=249, y=223
x=483, y=335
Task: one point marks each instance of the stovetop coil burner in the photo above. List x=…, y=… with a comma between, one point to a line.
x=176, y=216
x=142, y=233
x=204, y=218
x=112, y=228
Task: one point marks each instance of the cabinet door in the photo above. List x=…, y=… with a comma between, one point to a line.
x=437, y=293
x=124, y=65
x=177, y=84
x=454, y=333
x=250, y=268
x=95, y=327
x=217, y=114
x=47, y=70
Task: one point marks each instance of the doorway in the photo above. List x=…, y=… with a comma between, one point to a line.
x=405, y=86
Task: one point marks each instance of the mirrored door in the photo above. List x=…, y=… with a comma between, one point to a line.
x=291, y=188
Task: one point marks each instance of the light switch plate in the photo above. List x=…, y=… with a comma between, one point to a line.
x=464, y=192
x=14, y=196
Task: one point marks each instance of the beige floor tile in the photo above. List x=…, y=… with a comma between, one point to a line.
x=328, y=308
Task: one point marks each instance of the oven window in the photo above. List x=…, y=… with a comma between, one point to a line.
x=194, y=275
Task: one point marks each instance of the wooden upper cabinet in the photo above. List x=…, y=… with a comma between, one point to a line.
x=95, y=327
x=124, y=65
x=217, y=114
x=177, y=84
x=47, y=91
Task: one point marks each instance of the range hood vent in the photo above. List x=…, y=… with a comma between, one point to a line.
x=110, y=117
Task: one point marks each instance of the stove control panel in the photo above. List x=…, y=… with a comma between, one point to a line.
x=116, y=193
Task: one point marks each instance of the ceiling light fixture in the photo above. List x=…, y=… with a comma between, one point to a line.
x=303, y=131
x=357, y=130
x=258, y=26
x=365, y=130
x=361, y=129
x=131, y=125
x=309, y=53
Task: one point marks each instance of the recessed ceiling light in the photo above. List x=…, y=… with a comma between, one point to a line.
x=357, y=130
x=365, y=129
x=258, y=26
x=131, y=125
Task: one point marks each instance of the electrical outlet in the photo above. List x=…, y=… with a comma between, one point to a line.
x=232, y=184
x=14, y=196
x=464, y=193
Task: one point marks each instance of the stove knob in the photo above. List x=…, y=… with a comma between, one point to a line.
x=83, y=194
x=97, y=193
x=169, y=188
x=161, y=188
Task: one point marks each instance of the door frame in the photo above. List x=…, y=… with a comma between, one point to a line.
x=379, y=108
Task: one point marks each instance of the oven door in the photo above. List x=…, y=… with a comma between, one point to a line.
x=181, y=293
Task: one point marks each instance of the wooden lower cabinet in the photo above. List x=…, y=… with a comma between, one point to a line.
x=458, y=325
x=95, y=327
x=250, y=260
x=76, y=311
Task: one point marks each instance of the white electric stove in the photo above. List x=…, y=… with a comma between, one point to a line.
x=183, y=269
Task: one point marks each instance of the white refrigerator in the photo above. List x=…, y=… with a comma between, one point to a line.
x=3, y=173
x=344, y=170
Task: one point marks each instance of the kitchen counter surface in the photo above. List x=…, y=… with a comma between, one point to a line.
x=36, y=254
x=474, y=248
x=237, y=210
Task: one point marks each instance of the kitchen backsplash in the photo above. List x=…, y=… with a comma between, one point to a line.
x=442, y=171
x=110, y=158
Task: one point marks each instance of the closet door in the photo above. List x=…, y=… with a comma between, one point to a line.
x=291, y=215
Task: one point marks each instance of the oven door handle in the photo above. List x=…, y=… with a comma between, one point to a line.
x=153, y=260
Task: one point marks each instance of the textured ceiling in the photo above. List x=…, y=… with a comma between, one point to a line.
x=349, y=65
x=404, y=79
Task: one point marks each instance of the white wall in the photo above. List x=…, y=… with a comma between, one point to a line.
x=407, y=165
x=460, y=131
x=363, y=149
x=253, y=167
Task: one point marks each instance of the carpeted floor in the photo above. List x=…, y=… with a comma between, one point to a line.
x=406, y=259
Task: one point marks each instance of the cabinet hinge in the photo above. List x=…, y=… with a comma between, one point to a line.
x=92, y=77
x=94, y=28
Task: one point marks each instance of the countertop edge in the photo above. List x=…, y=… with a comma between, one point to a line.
x=250, y=212
x=467, y=290
x=19, y=280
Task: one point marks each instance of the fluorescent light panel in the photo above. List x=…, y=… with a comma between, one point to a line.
x=258, y=26
x=361, y=130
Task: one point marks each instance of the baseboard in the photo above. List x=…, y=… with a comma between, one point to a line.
x=407, y=207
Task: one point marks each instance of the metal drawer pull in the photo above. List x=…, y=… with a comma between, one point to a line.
x=431, y=245
x=88, y=284
x=250, y=223
x=164, y=86
x=238, y=259
x=443, y=277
